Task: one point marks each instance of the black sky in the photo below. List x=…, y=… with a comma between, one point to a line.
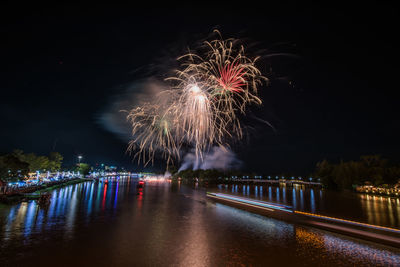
x=61, y=66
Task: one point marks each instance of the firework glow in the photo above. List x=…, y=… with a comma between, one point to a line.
x=199, y=108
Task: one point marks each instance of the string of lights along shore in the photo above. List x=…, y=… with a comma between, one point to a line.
x=200, y=106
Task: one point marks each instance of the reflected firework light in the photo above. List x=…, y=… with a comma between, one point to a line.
x=200, y=107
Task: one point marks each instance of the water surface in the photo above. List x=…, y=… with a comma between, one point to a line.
x=164, y=224
x=377, y=210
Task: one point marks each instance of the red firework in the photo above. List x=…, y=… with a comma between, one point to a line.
x=231, y=77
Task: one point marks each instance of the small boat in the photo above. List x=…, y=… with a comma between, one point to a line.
x=140, y=184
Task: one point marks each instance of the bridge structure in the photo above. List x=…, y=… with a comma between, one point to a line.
x=279, y=181
x=111, y=174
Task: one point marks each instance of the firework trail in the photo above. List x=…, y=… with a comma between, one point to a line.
x=201, y=106
x=152, y=131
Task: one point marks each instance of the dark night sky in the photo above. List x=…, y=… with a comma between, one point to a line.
x=61, y=67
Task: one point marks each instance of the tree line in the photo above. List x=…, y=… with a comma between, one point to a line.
x=189, y=174
x=210, y=175
x=18, y=164
x=369, y=169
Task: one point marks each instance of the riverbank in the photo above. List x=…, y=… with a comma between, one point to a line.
x=287, y=182
x=392, y=192
x=379, y=191
x=33, y=193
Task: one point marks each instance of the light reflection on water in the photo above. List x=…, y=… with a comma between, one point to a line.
x=320, y=246
x=27, y=218
x=172, y=224
x=378, y=210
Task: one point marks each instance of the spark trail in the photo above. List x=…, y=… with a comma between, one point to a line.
x=200, y=107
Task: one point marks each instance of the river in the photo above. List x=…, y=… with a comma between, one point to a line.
x=372, y=209
x=164, y=224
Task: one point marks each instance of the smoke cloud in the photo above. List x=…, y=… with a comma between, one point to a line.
x=113, y=118
x=218, y=158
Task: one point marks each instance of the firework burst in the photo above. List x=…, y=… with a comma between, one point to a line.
x=231, y=78
x=205, y=96
x=152, y=130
